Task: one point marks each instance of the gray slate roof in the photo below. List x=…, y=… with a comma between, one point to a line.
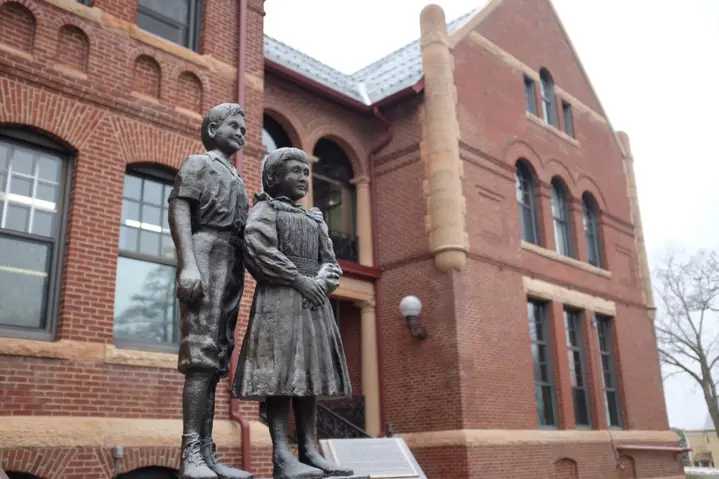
x=396, y=71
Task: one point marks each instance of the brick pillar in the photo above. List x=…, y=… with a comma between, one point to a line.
x=546, y=221
x=562, y=373
x=579, y=238
x=594, y=371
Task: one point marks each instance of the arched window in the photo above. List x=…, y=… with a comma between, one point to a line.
x=527, y=199
x=549, y=98
x=334, y=195
x=34, y=185
x=591, y=231
x=20, y=475
x=560, y=216
x=146, y=309
x=273, y=135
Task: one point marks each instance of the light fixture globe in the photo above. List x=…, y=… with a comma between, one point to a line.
x=410, y=306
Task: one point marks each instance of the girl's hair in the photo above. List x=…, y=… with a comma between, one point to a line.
x=217, y=114
x=273, y=163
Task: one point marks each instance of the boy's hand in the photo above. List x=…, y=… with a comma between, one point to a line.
x=189, y=285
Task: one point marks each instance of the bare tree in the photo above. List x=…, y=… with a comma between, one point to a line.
x=687, y=287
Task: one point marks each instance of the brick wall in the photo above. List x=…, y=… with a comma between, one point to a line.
x=116, y=96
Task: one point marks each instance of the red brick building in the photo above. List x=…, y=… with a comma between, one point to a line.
x=474, y=168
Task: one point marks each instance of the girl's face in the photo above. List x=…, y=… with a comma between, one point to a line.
x=293, y=180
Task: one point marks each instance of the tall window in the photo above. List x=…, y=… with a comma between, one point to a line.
x=568, y=119
x=146, y=310
x=591, y=231
x=527, y=199
x=530, y=95
x=575, y=344
x=175, y=20
x=560, y=216
x=609, y=372
x=334, y=195
x=33, y=185
x=273, y=135
x=539, y=335
x=549, y=98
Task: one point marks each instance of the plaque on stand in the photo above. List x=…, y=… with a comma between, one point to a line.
x=376, y=458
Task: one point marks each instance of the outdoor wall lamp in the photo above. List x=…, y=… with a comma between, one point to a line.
x=410, y=307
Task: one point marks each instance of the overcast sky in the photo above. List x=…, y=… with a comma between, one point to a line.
x=654, y=65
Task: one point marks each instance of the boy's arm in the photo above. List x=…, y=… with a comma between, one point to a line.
x=183, y=199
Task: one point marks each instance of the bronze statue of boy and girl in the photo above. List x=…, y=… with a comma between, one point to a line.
x=292, y=351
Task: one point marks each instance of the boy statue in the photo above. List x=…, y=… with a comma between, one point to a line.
x=208, y=208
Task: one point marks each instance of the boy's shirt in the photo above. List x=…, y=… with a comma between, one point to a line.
x=218, y=189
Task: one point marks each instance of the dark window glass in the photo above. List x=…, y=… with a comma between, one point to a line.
x=541, y=360
x=146, y=310
x=530, y=95
x=31, y=212
x=591, y=231
x=526, y=197
x=560, y=216
x=568, y=119
x=575, y=345
x=174, y=20
x=85, y=2
x=334, y=194
x=549, y=98
x=609, y=374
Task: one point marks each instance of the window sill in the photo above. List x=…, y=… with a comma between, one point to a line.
x=188, y=113
x=136, y=357
x=14, y=51
x=553, y=255
x=86, y=351
x=70, y=71
x=538, y=121
x=147, y=98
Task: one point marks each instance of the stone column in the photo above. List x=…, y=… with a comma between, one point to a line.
x=370, y=369
x=308, y=201
x=445, y=221
x=364, y=220
x=637, y=221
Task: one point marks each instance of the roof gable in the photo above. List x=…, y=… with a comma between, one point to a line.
x=532, y=31
x=398, y=70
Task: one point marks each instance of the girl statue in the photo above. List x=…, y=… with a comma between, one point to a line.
x=292, y=351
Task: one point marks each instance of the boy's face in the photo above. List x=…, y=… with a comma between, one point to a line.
x=293, y=179
x=229, y=136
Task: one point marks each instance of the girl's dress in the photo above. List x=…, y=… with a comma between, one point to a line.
x=289, y=349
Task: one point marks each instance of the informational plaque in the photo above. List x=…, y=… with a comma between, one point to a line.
x=378, y=458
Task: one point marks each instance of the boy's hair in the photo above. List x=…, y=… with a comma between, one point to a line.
x=274, y=161
x=217, y=114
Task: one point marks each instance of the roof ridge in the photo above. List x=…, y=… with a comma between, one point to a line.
x=450, y=26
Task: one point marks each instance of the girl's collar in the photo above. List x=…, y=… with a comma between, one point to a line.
x=285, y=203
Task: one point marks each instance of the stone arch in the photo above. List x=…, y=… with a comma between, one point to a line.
x=151, y=472
x=554, y=168
x=73, y=47
x=626, y=468
x=60, y=117
x=345, y=140
x=516, y=149
x=148, y=458
x=189, y=92
x=146, y=76
x=587, y=184
x=289, y=123
x=565, y=468
x=18, y=18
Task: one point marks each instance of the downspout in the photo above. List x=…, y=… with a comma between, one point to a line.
x=234, y=403
x=375, y=259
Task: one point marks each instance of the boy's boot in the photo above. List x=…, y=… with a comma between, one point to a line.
x=208, y=447
x=193, y=466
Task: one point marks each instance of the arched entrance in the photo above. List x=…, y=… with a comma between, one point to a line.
x=152, y=472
